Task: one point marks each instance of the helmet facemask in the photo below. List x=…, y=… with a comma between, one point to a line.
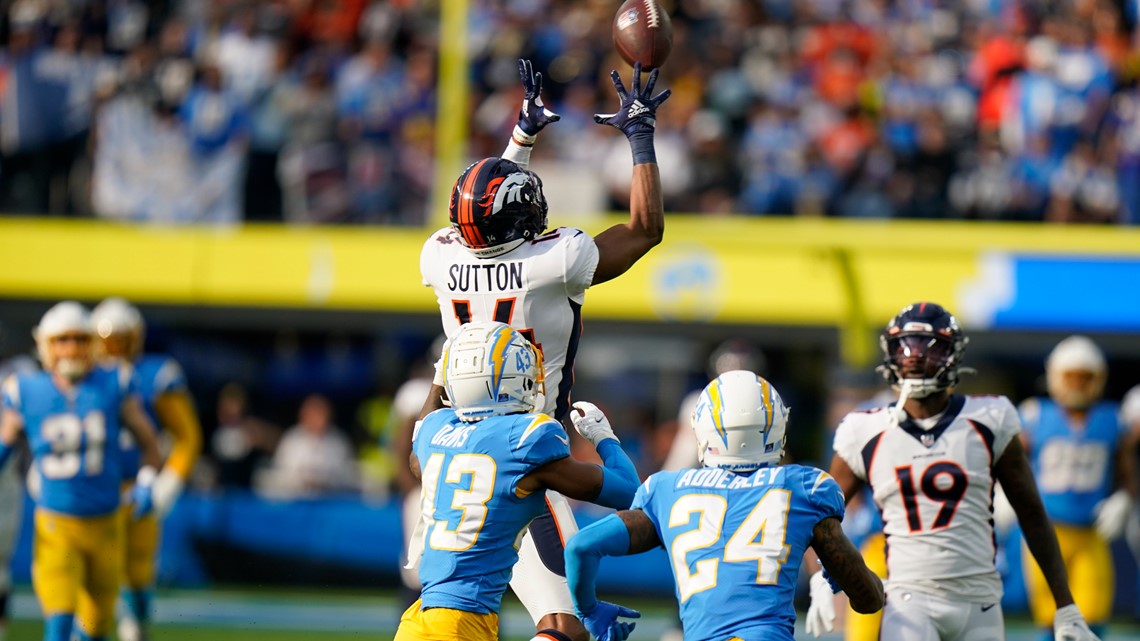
x=924, y=362
x=922, y=351
x=63, y=340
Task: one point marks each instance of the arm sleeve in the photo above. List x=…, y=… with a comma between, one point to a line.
x=619, y=476
x=176, y=411
x=584, y=552
x=517, y=153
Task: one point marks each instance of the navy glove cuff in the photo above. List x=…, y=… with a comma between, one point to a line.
x=641, y=143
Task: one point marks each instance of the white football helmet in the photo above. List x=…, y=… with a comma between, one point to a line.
x=740, y=422
x=1076, y=354
x=120, y=328
x=68, y=318
x=489, y=369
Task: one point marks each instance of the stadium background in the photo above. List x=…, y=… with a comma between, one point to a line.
x=279, y=295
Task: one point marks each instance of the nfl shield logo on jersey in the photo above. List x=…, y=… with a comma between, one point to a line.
x=927, y=439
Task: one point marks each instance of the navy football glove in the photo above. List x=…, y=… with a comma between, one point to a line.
x=638, y=110
x=637, y=115
x=601, y=621
x=534, y=115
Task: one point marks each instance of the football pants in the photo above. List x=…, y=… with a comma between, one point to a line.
x=445, y=624
x=539, y=579
x=76, y=566
x=914, y=616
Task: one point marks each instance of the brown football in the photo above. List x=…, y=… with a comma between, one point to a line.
x=643, y=33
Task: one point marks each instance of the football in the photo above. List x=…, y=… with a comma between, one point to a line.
x=643, y=33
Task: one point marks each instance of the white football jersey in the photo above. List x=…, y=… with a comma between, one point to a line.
x=538, y=288
x=934, y=488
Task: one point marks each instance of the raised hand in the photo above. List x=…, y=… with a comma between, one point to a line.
x=533, y=116
x=591, y=422
x=637, y=113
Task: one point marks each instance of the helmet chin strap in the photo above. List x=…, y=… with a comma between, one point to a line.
x=897, y=412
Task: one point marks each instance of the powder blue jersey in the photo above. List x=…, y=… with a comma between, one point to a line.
x=474, y=515
x=736, y=541
x=155, y=375
x=74, y=437
x=1073, y=465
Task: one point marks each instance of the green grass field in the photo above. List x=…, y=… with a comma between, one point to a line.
x=273, y=614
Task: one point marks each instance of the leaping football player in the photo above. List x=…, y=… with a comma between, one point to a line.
x=497, y=262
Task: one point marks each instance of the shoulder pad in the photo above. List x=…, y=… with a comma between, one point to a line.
x=532, y=430
x=11, y=389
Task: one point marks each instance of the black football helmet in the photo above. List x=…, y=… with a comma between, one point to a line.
x=496, y=205
x=924, y=345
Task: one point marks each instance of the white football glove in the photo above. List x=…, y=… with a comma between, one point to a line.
x=1112, y=515
x=165, y=491
x=592, y=424
x=1069, y=625
x=821, y=613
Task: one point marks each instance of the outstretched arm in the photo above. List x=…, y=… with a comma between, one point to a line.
x=620, y=246
x=611, y=485
x=1016, y=478
x=846, y=567
x=533, y=117
x=627, y=532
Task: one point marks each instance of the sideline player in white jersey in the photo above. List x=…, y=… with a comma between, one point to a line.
x=931, y=461
x=495, y=263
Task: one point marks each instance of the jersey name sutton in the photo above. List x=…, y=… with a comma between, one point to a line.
x=538, y=288
x=934, y=488
x=74, y=438
x=474, y=518
x=736, y=541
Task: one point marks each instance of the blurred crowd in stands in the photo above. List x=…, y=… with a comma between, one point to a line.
x=324, y=110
